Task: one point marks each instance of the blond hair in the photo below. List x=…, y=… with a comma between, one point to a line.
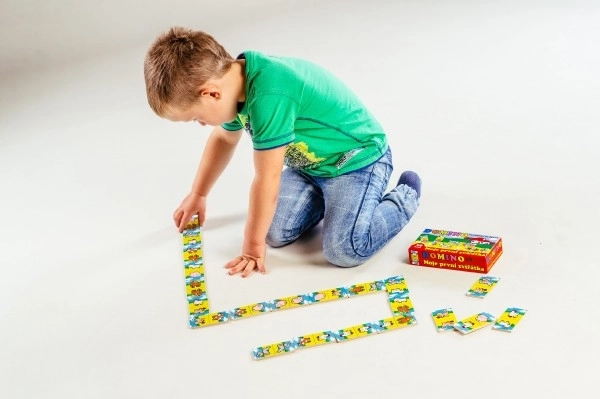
x=179, y=61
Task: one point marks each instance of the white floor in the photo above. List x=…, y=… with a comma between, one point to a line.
x=495, y=104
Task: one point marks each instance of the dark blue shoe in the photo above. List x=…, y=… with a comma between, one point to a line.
x=412, y=180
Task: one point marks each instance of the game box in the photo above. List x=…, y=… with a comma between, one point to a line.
x=445, y=249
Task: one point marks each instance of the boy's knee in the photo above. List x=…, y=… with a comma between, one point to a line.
x=343, y=259
x=276, y=239
x=273, y=242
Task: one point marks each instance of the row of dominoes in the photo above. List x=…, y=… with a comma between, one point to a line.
x=195, y=282
x=326, y=337
x=401, y=306
x=200, y=315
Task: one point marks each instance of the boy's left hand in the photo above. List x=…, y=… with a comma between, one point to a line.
x=246, y=264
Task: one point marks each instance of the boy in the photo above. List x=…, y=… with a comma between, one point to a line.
x=336, y=156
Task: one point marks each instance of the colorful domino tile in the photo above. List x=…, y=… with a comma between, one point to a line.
x=509, y=319
x=482, y=286
x=211, y=319
x=444, y=319
x=474, y=323
x=401, y=305
x=277, y=349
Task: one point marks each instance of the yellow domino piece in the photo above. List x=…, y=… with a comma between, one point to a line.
x=254, y=309
x=196, y=275
x=294, y=301
x=332, y=294
x=482, y=286
x=396, y=286
x=402, y=306
x=404, y=320
x=195, y=289
x=192, y=255
x=509, y=319
x=212, y=319
x=324, y=337
x=309, y=340
x=348, y=333
x=444, y=319
x=281, y=303
x=272, y=350
x=474, y=322
x=198, y=308
x=365, y=329
x=241, y=312
x=361, y=289
x=192, y=238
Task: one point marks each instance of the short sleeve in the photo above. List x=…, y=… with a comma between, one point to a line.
x=273, y=117
x=233, y=126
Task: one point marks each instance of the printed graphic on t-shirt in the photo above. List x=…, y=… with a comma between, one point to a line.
x=347, y=156
x=245, y=119
x=298, y=156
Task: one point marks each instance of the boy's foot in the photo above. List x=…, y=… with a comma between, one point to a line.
x=412, y=180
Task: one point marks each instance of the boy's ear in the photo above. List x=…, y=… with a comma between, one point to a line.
x=210, y=90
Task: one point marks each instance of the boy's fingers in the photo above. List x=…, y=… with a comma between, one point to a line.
x=260, y=263
x=177, y=216
x=183, y=221
x=245, y=265
x=249, y=267
x=238, y=268
x=237, y=265
x=234, y=262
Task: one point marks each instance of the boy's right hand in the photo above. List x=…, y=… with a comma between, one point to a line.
x=192, y=204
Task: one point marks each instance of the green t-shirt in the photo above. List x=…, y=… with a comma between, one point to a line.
x=327, y=130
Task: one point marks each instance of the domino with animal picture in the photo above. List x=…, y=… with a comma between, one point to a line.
x=474, y=323
x=210, y=319
x=277, y=349
x=509, y=319
x=444, y=319
x=482, y=286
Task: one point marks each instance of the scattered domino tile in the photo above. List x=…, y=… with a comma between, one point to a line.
x=509, y=319
x=444, y=319
x=482, y=286
x=474, y=323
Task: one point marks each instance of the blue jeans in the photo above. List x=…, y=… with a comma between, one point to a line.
x=358, y=219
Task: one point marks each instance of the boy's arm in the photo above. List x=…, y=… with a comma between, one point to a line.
x=217, y=153
x=264, y=191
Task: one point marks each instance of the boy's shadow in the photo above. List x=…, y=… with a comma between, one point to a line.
x=223, y=221
x=308, y=248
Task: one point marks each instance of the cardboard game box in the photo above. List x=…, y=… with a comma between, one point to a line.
x=452, y=250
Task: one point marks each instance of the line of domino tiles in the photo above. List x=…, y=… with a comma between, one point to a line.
x=200, y=315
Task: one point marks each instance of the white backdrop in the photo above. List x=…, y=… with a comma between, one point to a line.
x=495, y=104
